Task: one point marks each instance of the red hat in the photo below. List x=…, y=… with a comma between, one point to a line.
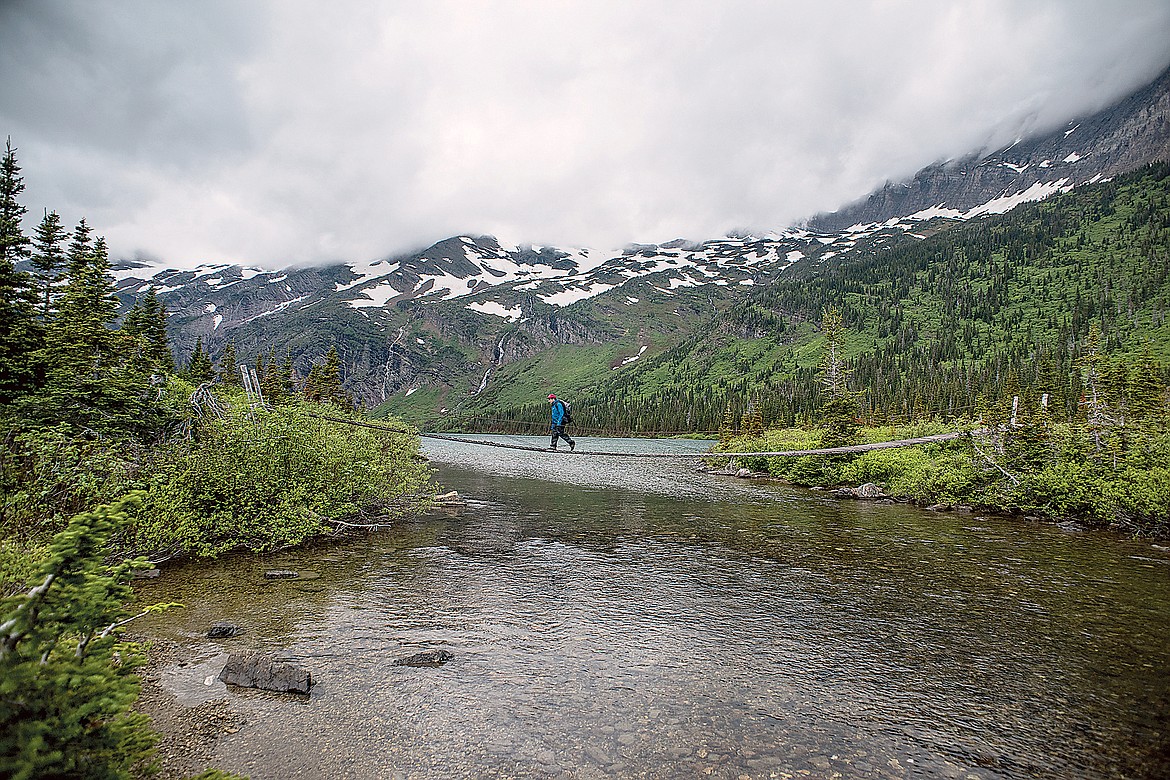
x=550, y=395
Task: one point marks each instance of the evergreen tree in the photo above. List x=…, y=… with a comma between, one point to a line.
x=1093, y=365
x=48, y=257
x=1145, y=387
x=13, y=243
x=91, y=379
x=839, y=410
x=229, y=372
x=199, y=367
x=81, y=248
x=20, y=334
x=67, y=680
x=726, y=427
x=323, y=384
x=154, y=323
x=285, y=376
x=268, y=372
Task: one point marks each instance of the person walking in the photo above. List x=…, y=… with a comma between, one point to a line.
x=559, y=422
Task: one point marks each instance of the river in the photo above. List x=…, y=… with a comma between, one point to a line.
x=623, y=617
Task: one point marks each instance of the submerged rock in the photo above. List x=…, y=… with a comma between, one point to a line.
x=867, y=491
x=224, y=630
x=426, y=658
x=450, y=499
x=255, y=670
x=281, y=574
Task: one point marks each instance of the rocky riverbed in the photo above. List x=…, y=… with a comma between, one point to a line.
x=188, y=733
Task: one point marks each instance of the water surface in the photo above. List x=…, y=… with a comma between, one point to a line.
x=635, y=618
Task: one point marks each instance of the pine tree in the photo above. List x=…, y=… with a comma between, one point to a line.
x=229, y=372
x=323, y=384
x=268, y=372
x=154, y=316
x=199, y=367
x=81, y=248
x=727, y=426
x=67, y=680
x=91, y=378
x=20, y=334
x=48, y=257
x=14, y=245
x=839, y=411
x=285, y=376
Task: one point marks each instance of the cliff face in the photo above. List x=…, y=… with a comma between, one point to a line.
x=1126, y=136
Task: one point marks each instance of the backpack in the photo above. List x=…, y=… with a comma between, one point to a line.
x=567, y=415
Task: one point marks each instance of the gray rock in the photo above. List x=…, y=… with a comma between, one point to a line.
x=256, y=670
x=426, y=658
x=869, y=490
x=939, y=508
x=743, y=473
x=280, y=574
x=224, y=630
x=147, y=574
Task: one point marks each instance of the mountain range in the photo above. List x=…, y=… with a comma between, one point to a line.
x=472, y=324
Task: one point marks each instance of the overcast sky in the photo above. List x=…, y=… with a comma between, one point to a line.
x=296, y=131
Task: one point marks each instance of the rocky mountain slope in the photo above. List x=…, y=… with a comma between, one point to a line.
x=1122, y=138
x=437, y=329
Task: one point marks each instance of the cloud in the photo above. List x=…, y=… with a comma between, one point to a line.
x=292, y=132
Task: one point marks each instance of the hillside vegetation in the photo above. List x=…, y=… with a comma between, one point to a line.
x=943, y=325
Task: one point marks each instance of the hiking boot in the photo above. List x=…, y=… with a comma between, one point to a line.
x=572, y=445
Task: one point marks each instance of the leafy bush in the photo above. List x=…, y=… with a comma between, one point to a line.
x=262, y=480
x=48, y=474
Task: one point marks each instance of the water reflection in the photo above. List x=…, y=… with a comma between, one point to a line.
x=635, y=618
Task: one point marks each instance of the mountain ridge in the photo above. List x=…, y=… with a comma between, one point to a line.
x=448, y=318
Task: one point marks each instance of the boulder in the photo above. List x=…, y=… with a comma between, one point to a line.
x=744, y=473
x=147, y=574
x=869, y=490
x=426, y=658
x=256, y=670
x=224, y=630
x=281, y=574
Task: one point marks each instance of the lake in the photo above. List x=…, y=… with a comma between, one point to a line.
x=633, y=617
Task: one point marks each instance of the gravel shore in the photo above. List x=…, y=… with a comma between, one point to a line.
x=187, y=735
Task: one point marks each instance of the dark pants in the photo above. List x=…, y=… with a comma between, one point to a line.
x=559, y=431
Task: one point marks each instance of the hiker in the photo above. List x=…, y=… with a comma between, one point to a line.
x=560, y=418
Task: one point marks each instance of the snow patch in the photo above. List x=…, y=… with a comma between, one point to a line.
x=378, y=295
x=632, y=358
x=572, y=295
x=1005, y=203
x=218, y=320
x=210, y=308
x=497, y=310
x=1072, y=158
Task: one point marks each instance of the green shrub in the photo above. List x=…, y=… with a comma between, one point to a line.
x=67, y=681
x=262, y=480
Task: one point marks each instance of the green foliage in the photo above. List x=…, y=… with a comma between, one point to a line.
x=199, y=367
x=262, y=480
x=48, y=257
x=67, y=681
x=48, y=474
x=323, y=385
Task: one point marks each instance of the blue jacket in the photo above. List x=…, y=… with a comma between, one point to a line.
x=558, y=412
